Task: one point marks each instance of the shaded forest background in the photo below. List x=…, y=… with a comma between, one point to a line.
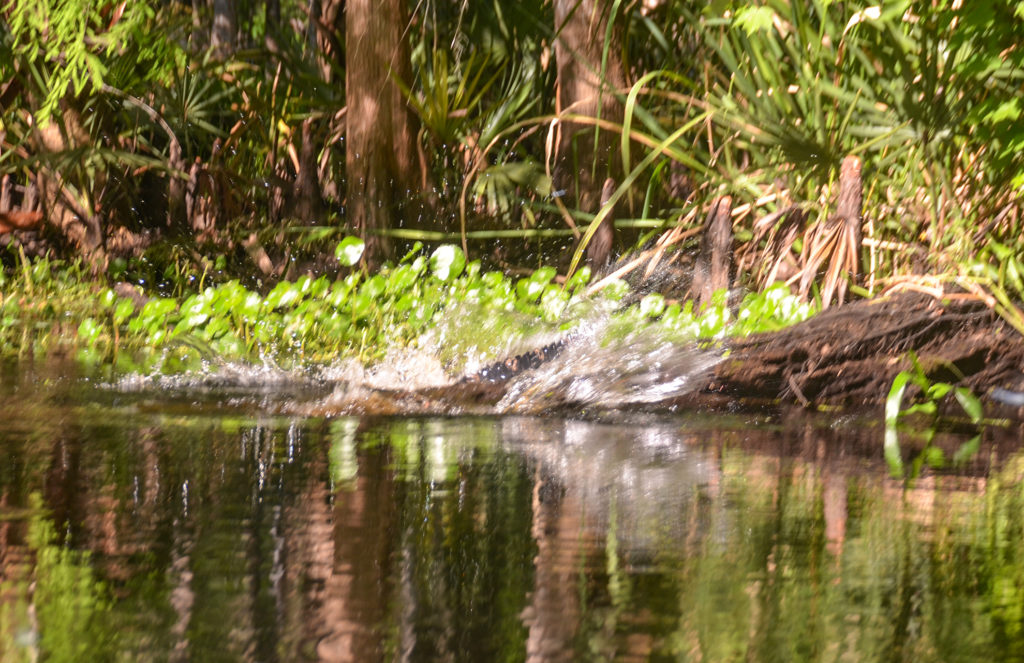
x=247, y=136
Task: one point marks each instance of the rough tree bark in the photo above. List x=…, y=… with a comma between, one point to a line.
x=225, y=27
x=590, y=70
x=77, y=219
x=328, y=26
x=380, y=160
x=713, y=268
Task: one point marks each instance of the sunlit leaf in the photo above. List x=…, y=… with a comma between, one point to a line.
x=349, y=251
x=447, y=262
x=970, y=403
x=894, y=400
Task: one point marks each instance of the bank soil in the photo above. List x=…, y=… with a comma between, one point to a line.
x=849, y=356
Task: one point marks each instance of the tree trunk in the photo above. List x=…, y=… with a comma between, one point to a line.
x=590, y=70
x=74, y=215
x=329, y=31
x=380, y=152
x=225, y=26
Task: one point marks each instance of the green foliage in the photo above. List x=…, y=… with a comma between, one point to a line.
x=70, y=607
x=999, y=270
x=63, y=45
x=931, y=396
x=925, y=95
x=438, y=299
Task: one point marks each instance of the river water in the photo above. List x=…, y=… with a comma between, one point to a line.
x=221, y=524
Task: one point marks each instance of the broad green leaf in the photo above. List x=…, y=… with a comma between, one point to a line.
x=652, y=305
x=967, y=450
x=124, y=309
x=88, y=330
x=895, y=398
x=349, y=251
x=447, y=262
x=891, y=448
x=754, y=19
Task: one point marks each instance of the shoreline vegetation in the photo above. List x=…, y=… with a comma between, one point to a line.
x=187, y=185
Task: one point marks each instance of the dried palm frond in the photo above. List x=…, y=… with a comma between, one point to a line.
x=839, y=239
x=833, y=243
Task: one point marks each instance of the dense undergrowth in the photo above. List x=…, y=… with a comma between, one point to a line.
x=437, y=302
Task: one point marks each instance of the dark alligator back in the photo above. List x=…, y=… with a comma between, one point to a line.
x=513, y=366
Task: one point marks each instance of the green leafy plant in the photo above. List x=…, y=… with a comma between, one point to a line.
x=999, y=271
x=932, y=394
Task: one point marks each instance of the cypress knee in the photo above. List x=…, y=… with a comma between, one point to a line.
x=600, y=247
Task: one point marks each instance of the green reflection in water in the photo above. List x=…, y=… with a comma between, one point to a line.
x=69, y=617
x=216, y=538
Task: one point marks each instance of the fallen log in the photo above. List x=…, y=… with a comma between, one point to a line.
x=850, y=355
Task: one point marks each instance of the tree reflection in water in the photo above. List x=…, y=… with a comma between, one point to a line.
x=222, y=535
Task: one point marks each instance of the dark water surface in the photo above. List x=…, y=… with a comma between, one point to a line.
x=184, y=526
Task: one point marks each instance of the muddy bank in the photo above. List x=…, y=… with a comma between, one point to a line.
x=849, y=356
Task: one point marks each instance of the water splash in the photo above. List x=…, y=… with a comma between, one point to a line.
x=593, y=371
x=595, y=365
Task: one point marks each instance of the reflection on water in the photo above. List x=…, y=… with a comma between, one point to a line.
x=208, y=533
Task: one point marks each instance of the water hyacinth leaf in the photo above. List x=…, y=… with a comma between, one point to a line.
x=228, y=345
x=303, y=285
x=528, y=290
x=616, y=290
x=319, y=287
x=493, y=279
x=88, y=330
x=404, y=303
x=216, y=328
x=420, y=315
x=159, y=308
x=273, y=298
x=447, y=262
x=414, y=252
x=374, y=287
x=553, y=302
x=195, y=312
x=349, y=251
x=250, y=306
x=108, y=298
x=361, y=305
x=124, y=309
x=340, y=292
x=401, y=279
x=543, y=274
x=579, y=279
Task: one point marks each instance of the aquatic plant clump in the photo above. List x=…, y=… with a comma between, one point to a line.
x=438, y=303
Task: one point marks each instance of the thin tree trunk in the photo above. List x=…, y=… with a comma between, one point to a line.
x=590, y=69
x=225, y=27
x=330, y=46
x=380, y=155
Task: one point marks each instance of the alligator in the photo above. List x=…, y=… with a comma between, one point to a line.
x=506, y=369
